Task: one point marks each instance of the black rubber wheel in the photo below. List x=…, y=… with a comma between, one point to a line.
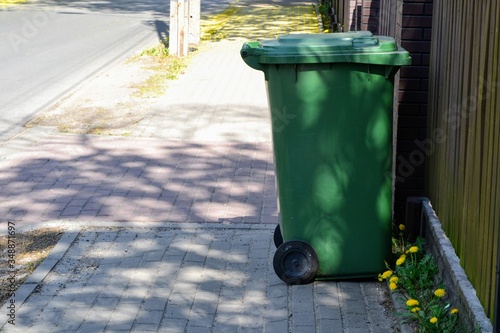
x=296, y=262
x=278, y=238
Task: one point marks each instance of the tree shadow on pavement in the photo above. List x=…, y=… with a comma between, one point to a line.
x=90, y=178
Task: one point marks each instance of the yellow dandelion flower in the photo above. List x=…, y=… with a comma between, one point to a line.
x=393, y=286
x=402, y=227
x=394, y=279
x=415, y=309
x=412, y=302
x=433, y=320
x=440, y=292
x=386, y=274
x=401, y=260
x=454, y=311
x=380, y=278
x=414, y=249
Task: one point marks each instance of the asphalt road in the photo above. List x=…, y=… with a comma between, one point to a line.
x=49, y=47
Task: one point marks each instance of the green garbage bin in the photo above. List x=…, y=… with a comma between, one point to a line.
x=331, y=104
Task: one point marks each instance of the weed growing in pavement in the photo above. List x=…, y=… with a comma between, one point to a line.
x=164, y=67
x=413, y=275
x=324, y=11
x=160, y=50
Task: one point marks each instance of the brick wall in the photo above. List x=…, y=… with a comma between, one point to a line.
x=412, y=93
x=410, y=23
x=364, y=15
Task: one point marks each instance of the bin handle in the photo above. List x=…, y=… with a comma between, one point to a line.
x=250, y=53
x=363, y=42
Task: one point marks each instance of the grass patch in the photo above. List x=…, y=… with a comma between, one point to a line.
x=31, y=248
x=5, y=3
x=163, y=66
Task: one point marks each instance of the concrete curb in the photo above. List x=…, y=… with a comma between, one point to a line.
x=36, y=278
x=462, y=293
x=72, y=225
x=73, y=229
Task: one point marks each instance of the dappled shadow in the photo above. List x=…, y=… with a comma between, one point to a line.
x=209, y=279
x=263, y=19
x=94, y=178
x=333, y=161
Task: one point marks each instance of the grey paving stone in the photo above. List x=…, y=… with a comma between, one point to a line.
x=303, y=319
x=153, y=255
x=197, y=329
x=173, y=325
x=276, y=326
x=303, y=329
x=330, y=326
x=176, y=311
x=211, y=163
x=354, y=320
x=224, y=328
x=125, y=326
x=91, y=327
x=144, y=327
x=149, y=317
x=154, y=303
x=69, y=322
x=355, y=307
x=328, y=312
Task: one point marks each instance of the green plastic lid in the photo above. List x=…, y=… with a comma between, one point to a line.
x=347, y=47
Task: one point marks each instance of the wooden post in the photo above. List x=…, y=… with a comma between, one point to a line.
x=179, y=28
x=496, y=318
x=194, y=22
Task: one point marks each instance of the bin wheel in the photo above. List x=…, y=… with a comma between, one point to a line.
x=296, y=262
x=278, y=238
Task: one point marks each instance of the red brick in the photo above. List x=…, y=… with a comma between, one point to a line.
x=426, y=59
x=414, y=72
x=428, y=9
x=412, y=34
x=413, y=97
x=412, y=121
x=416, y=59
x=409, y=84
x=404, y=147
x=427, y=34
x=408, y=134
x=409, y=109
x=425, y=84
x=416, y=46
x=413, y=8
x=368, y=11
x=417, y=21
x=424, y=107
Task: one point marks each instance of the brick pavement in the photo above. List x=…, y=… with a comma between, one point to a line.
x=190, y=279
x=170, y=228
x=73, y=177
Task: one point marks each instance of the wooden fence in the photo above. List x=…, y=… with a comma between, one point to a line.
x=463, y=145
